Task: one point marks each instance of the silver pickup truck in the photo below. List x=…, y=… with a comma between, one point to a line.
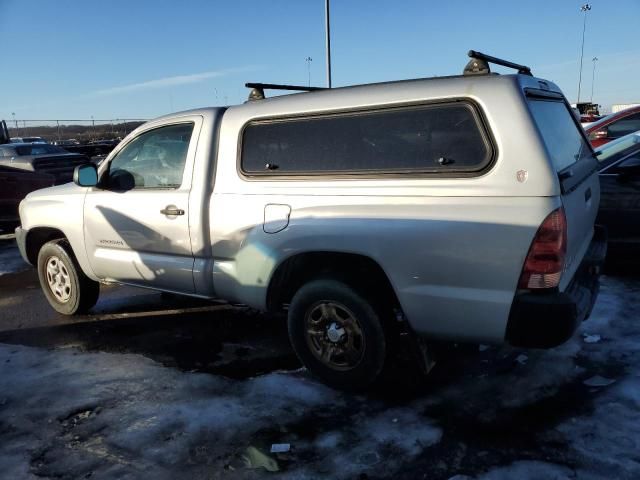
x=459, y=208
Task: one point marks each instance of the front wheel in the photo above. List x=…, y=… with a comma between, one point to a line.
x=68, y=290
x=337, y=334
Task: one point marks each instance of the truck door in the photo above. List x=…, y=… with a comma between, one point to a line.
x=136, y=220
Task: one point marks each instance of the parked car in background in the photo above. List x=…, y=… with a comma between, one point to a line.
x=95, y=150
x=105, y=141
x=28, y=140
x=15, y=185
x=66, y=143
x=588, y=119
x=587, y=112
x=614, y=126
x=620, y=193
x=41, y=158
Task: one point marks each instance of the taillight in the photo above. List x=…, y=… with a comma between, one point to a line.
x=545, y=260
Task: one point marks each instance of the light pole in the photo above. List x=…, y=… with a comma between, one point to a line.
x=309, y=60
x=584, y=8
x=328, y=35
x=593, y=77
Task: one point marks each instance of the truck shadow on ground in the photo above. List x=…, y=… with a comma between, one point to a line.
x=239, y=343
x=219, y=339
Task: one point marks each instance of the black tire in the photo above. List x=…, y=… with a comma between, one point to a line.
x=73, y=292
x=365, y=344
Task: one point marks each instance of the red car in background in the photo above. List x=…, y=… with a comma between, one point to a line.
x=614, y=126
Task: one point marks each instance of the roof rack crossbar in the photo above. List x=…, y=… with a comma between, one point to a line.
x=257, y=89
x=522, y=69
x=273, y=86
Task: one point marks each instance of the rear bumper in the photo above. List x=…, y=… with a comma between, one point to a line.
x=544, y=320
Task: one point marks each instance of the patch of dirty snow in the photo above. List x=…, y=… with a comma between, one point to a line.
x=607, y=439
x=529, y=470
x=65, y=413
x=598, y=381
x=591, y=338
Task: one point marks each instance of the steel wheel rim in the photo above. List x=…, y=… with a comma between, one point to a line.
x=334, y=335
x=58, y=279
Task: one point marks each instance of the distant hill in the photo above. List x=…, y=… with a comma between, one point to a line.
x=82, y=133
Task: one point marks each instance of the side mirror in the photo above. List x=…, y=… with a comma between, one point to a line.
x=85, y=175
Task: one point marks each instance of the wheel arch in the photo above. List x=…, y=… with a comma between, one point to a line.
x=37, y=237
x=359, y=271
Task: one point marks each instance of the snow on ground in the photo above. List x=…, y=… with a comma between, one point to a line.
x=118, y=416
x=10, y=259
x=529, y=470
x=76, y=414
x=608, y=439
x=604, y=442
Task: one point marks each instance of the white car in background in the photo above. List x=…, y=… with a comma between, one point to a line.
x=28, y=140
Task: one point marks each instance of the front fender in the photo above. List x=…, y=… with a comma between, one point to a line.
x=58, y=208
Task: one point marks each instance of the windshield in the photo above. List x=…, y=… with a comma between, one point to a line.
x=38, y=149
x=559, y=131
x=618, y=146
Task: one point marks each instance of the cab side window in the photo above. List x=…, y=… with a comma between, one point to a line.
x=153, y=160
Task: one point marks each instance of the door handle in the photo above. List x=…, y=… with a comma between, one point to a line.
x=172, y=210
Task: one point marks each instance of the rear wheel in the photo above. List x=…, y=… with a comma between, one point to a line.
x=337, y=334
x=68, y=290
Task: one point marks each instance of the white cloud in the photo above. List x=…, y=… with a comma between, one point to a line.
x=170, y=81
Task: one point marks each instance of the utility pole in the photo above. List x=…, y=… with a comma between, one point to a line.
x=309, y=60
x=584, y=8
x=16, y=122
x=593, y=76
x=328, y=35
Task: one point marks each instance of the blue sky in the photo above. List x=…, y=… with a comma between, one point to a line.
x=140, y=59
